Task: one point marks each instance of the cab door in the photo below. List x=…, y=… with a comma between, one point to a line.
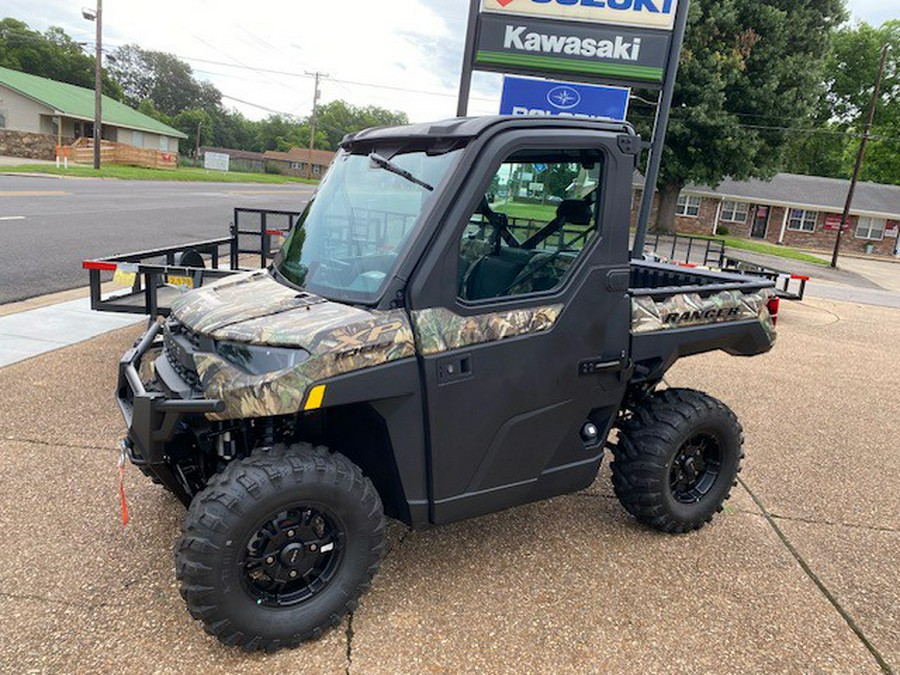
x=521, y=316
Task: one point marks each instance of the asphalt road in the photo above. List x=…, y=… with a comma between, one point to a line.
x=48, y=226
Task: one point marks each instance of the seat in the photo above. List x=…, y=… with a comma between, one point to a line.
x=491, y=277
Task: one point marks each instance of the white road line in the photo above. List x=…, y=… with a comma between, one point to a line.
x=12, y=217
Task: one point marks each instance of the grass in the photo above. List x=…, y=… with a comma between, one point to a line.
x=188, y=174
x=769, y=249
x=543, y=213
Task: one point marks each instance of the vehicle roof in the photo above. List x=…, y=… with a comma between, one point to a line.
x=470, y=127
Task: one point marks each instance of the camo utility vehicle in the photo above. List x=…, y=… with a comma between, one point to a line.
x=453, y=327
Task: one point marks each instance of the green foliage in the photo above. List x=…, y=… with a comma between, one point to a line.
x=746, y=64
x=339, y=118
x=163, y=78
x=842, y=110
x=52, y=54
x=191, y=122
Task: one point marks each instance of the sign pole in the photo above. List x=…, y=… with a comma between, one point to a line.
x=659, y=130
x=465, y=80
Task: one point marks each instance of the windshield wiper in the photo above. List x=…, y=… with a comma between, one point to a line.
x=387, y=165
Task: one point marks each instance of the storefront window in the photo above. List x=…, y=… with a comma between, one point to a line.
x=870, y=228
x=734, y=212
x=803, y=221
x=688, y=206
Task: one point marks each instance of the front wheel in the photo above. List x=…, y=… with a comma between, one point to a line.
x=677, y=458
x=280, y=546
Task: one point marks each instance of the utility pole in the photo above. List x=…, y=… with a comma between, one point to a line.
x=197, y=149
x=845, y=218
x=98, y=86
x=312, y=124
x=97, y=17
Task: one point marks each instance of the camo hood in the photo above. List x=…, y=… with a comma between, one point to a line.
x=254, y=309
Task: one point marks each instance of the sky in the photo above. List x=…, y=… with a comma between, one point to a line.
x=398, y=54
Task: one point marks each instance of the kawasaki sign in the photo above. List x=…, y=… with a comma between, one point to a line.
x=527, y=46
x=658, y=14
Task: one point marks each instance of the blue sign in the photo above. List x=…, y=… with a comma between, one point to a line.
x=523, y=96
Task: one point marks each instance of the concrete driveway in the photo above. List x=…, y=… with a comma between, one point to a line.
x=885, y=273
x=799, y=574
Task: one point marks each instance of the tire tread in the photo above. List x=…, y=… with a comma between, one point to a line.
x=225, y=497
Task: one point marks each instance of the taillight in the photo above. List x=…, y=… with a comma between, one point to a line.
x=774, y=304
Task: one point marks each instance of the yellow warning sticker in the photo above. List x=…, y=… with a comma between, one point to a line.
x=124, y=278
x=178, y=280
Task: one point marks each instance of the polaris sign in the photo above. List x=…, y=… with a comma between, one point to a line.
x=523, y=96
x=536, y=46
x=659, y=14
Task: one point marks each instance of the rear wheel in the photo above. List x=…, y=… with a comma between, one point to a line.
x=677, y=458
x=280, y=546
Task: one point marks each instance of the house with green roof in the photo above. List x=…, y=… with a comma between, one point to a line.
x=32, y=107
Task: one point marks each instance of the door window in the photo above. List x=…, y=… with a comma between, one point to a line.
x=540, y=213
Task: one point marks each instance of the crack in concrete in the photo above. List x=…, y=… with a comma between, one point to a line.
x=851, y=623
x=349, y=642
x=403, y=536
x=64, y=603
x=58, y=444
x=814, y=521
x=817, y=521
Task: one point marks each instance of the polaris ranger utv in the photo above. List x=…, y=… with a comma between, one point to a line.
x=453, y=327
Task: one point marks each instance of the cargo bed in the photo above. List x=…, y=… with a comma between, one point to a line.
x=679, y=311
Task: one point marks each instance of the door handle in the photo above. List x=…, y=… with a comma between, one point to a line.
x=454, y=369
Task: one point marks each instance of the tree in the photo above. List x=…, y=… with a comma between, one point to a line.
x=52, y=54
x=748, y=69
x=336, y=119
x=840, y=115
x=192, y=122
x=164, y=79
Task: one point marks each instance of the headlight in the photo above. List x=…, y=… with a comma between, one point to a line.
x=260, y=359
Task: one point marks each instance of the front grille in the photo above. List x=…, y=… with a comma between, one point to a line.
x=179, y=344
x=175, y=327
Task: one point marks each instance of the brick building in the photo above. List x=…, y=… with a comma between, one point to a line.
x=797, y=211
x=294, y=161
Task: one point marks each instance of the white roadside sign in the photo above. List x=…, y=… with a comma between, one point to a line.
x=217, y=161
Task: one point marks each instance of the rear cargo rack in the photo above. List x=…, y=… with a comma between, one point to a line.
x=157, y=276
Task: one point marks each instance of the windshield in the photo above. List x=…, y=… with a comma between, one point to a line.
x=350, y=236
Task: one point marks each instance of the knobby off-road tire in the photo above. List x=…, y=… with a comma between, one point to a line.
x=676, y=460
x=280, y=546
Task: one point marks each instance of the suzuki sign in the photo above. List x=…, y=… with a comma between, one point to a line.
x=523, y=96
x=659, y=14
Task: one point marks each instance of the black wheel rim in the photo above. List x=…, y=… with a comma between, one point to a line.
x=292, y=556
x=695, y=468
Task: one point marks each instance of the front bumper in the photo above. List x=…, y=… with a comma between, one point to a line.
x=152, y=417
